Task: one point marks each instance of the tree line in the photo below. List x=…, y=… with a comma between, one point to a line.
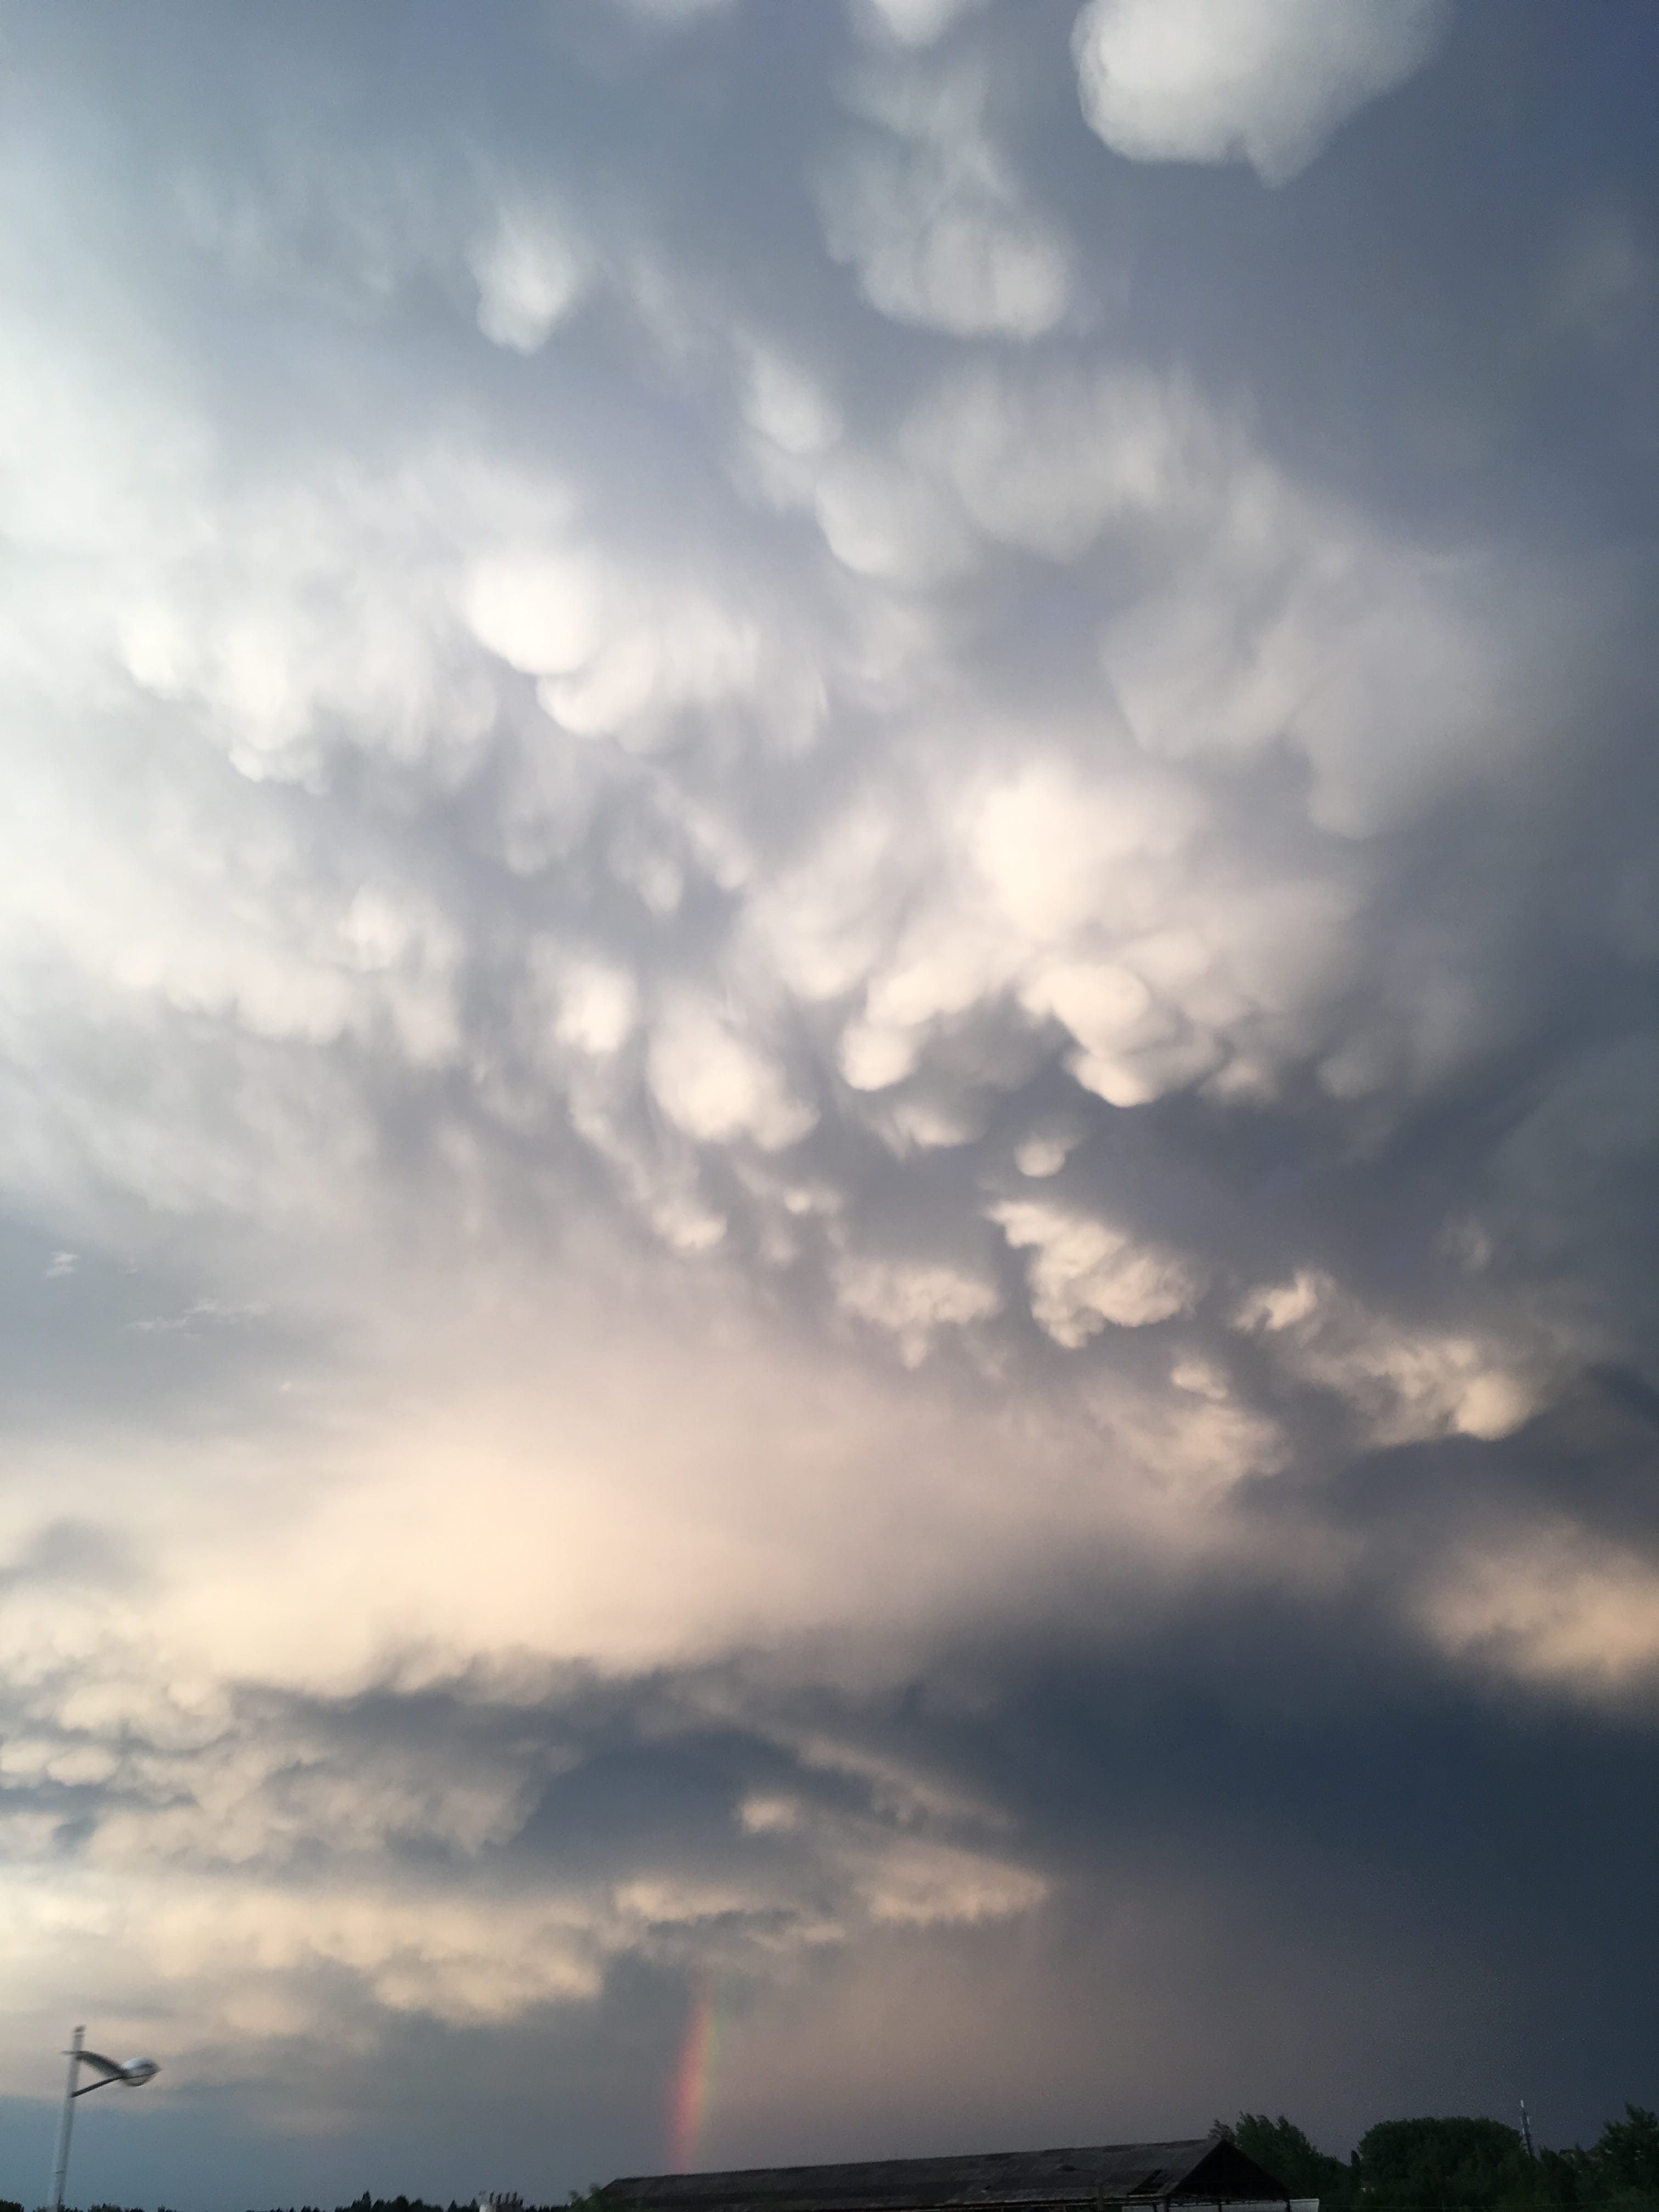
x=1461, y=2166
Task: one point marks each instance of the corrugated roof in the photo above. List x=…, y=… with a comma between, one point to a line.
x=1200, y=2167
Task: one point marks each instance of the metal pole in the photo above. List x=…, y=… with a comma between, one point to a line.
x=61, y=2167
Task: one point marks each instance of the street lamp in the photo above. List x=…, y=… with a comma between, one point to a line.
x=132, y=2076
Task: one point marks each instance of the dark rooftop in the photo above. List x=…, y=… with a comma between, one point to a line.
x=1201, y=2169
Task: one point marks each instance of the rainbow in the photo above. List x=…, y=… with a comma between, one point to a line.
x=694, y=2081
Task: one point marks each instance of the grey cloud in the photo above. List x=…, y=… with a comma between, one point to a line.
x=880, y=895
x=1227, y=1812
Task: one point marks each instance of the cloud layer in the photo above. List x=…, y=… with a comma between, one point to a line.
x=827, y=1080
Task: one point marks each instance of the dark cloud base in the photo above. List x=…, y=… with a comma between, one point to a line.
x=1293, y=1865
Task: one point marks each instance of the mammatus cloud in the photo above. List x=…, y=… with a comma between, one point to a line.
x=1266, y=82
x=529, y=275
x=909, y=22
x=930, y=215
x=789, y=1035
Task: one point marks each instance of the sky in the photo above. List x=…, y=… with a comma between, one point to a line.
x=829, y=1079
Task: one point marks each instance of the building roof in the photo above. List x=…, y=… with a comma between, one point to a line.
x=1205, y=2169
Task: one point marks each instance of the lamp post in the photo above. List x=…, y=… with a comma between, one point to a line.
x=132, y=2076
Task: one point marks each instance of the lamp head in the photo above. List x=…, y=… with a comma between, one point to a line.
x=137, y=2071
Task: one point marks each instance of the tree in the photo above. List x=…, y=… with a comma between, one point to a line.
x=1286, y=2153
x=1445, y=2165
x=1623, y=2163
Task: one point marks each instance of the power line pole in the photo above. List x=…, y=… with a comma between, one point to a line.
x=60, y=2165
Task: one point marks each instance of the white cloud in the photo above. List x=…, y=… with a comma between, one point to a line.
x=677, y=15
x=786, y=406
x=1551, y=1604
x=530, y=275
x=1047, y=464
x=717, y=1084
x=908, y=22
x=921, y=1885
x=596, y=1004
x=1045, y=1151
x=1263, y=81
x=544, y=613
x=623, y=651
x=1085, y=1273
x=1403, y=1384
x=1049, y=839
x=931, y=215
x=1271, y=613
x=1127, y=1053
x=914, y=1299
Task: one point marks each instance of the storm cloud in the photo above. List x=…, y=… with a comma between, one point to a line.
x=828, y=1076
